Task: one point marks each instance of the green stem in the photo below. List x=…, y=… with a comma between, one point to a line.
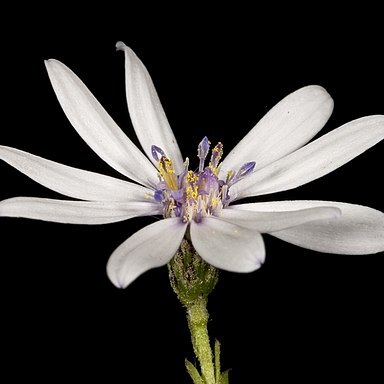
x=193, y=280
x=198, y=320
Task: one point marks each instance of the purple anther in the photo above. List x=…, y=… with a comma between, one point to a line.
x=156, y=151
x=202, y=152
x=246, y=169
x=159, y=195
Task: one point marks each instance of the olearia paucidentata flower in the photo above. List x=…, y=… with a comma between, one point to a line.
x=276, y=155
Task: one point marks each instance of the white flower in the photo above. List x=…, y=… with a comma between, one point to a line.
x=274, y=156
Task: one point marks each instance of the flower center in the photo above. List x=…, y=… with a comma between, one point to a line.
x=192, y=195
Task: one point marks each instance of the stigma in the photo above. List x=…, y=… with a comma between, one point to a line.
x=192, y=195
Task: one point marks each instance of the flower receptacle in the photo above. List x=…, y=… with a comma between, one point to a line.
x=190, y=276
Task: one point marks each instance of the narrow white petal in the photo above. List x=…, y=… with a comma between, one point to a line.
x=286, y=127
x=96, y=127
x=73, y=182
x=147, y=114
x=359, y=230
x=275, y=221
x=75, y=212
x=315, y=160
x=228, y=246
x=152, y=246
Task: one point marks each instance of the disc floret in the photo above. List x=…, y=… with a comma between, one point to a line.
x=192, y=195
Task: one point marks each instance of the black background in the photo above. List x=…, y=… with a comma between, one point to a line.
x=304, y=315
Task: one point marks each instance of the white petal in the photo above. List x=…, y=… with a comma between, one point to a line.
x=286, y=127
x=75, y=212
x=263, y=222
x=147, y=114
x=227, y=246
x=152, y=246
x=73, y=182
x=315, y=160
x=96, y=127
x=359, y=230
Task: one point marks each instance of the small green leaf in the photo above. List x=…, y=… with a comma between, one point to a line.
x=224, y=379
x=193, y=372
x=217, y=362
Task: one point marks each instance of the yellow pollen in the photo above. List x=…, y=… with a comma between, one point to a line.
x=217, y=152
x=192, y=192
x=213, y=169
x=218, y=148
x=167, y=172
x=191, y=177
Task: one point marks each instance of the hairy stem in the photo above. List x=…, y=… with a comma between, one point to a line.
x=198, y=320
x=193, y=280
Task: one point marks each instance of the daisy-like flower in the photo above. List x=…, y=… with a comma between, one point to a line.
x=202, y=204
